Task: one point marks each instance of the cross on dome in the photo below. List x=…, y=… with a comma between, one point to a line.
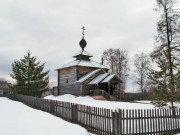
x=83, y=43
x=83, y=28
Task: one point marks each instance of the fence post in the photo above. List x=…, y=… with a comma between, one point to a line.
x=115, y=122
x=74, y=113
x=52, y=106
x=120, y=121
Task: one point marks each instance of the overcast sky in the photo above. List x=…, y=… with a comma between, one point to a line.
x=51, y=29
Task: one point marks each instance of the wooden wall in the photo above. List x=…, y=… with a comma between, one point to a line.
x=81, y=71
x=67, y=81
x=68, y=77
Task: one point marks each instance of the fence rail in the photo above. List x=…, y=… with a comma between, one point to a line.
x=108, y=122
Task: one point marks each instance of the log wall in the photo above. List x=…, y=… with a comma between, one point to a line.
x=67, y=78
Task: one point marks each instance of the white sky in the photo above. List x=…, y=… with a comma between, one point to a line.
x=51, y=29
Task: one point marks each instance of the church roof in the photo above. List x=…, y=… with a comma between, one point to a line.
x=85, y=63
x=83, y=52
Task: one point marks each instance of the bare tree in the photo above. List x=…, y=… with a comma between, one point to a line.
x=141, y=64
x=109, y=58
x=118, y=62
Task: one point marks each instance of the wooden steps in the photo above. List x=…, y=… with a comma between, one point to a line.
x=100, y=97
x=113, y=98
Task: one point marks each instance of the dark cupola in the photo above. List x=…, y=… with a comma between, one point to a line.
x=83, y=42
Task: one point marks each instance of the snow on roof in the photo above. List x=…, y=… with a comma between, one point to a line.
x=70, y=64
x=82, y=79
x=108, y=78
x=99, y=78
x=96, y=64
x=85, y=63
x=83, y=52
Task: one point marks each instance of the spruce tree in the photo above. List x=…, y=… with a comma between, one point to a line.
x=166, y=53
x=159, y=79
x=29, y=76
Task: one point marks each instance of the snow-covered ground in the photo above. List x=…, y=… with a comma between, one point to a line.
x=89, y=101
x=19, y=119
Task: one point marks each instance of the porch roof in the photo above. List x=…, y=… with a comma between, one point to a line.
x=99, y=78
x=110, y=77
x=85, y=77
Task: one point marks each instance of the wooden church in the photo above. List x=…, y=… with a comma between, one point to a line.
x=84, y=76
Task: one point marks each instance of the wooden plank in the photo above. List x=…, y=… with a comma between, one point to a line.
x=120, y=122
x=80, y=114
x=109, y=122
x=115, y=125
x=139, y=121
x=129, y=115
x=177, y=120
x=136, y=122
x=98, y=122
x=166, y=120
x=145, y=123
x=95, y=124
x=106, y=123
x=142, y=124
x=127, y=126
x=101, y=120
x=133, y=124
x=148, y=120
x=168, y=114
x=92, y=119
x=84, y=116
x=153, y=121
x=88, y=111
x=156, y=122
x=161, y=120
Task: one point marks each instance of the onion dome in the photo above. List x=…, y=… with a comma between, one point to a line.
x=82, y=43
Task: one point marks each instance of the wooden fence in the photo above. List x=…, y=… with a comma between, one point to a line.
x=109, y=122
x=150, y=121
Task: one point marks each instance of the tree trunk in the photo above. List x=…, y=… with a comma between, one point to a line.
x=171, y=81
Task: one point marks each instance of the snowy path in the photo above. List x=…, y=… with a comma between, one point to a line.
x=19, y=119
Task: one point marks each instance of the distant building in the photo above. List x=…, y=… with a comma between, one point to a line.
x=84, y=76
x=47, y=92
x=4, y=87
